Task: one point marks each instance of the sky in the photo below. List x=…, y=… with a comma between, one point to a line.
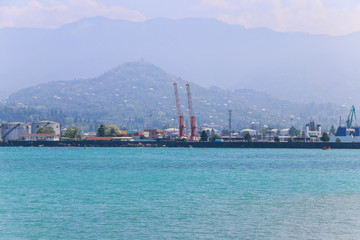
x=333, y=17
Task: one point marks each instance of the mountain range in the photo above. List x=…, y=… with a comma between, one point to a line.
x=293, y=66
x=138, y=95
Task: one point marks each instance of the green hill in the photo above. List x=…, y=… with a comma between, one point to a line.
x=137, y=93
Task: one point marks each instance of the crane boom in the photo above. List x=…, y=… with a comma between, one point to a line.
x=180, y=116
x=189, y=99
x=351, y=116
x=177, y=99
x=192, y=117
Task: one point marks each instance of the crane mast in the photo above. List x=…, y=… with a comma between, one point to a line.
x=192, y=117
x=180, y=116
x=351, y=116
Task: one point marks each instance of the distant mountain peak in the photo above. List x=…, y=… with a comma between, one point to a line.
x=135, y=90
x=294, y=66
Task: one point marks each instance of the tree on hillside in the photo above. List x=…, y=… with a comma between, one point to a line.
x=325, y=137
x=204, y=137
x=332, y=130
x=292, y=131
x=46, y=130
x=101, y=131
x=107, y=131
x=247, y=136
x=111, y=131
x=214, y=137
x=73, y=132
x=303, y=134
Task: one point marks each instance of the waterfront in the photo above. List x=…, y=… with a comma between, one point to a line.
x=155, y=193
x=181, y=144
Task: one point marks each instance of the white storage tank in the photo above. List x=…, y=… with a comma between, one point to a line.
x=36, y=125
x=14, y=130
x=284, y=132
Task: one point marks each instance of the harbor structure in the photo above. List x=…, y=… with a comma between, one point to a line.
x=14, y=130
x=347, y=133
x=54, y=125
x=193, y=126
x=252, y=132
x=154, y=133
x=171, y=132
x=230, y=130
x=40, y=137
x=313, y=131
x=269, y=134
x=179, y=114
x=283, y=134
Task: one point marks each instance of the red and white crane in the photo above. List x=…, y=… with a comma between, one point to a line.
x=192, y=117
x=180, y=116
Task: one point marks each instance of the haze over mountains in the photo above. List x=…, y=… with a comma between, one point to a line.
x=294, y=66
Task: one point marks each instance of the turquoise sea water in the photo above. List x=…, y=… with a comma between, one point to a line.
x=149, y=193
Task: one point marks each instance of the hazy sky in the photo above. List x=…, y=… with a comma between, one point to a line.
x=335, y=17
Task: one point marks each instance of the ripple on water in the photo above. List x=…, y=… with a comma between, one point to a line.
x=140, y=193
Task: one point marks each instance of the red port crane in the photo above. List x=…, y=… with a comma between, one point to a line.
x=192, y=117
x=180, y=116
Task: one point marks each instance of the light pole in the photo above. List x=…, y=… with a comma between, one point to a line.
x=230, y=124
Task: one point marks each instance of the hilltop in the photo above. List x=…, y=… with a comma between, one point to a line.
x=128, y=94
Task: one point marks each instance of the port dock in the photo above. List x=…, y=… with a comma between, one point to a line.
x=178, y=144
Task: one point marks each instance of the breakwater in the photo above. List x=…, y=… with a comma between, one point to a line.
x=305, y=145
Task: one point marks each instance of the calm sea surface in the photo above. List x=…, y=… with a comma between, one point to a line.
x=146, y=193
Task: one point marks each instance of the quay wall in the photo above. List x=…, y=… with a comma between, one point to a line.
x=305, y=145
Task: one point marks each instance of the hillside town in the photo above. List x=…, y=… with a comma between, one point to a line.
x=311, y=132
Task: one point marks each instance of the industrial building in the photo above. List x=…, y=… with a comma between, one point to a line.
x=40, y=137
x=14, y=130
x=29, y=132
x=55, y=125
x=171, y=132
x=154, y=133
x=313, y=131
x=347, y=133
x=252, y=132
x=283, y=132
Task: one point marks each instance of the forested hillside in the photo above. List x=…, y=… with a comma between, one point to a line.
x=138, y=94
